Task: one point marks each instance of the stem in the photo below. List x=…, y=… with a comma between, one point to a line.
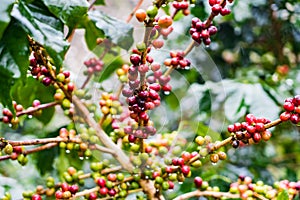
x=189, y=48
x=119, y=91
x=273, y=123
x=85, y=192
x=198, y=193
x=110, y=170
x=138, y=5
x=102, y=119
x=259, y=196
x=40, y=148
x=88, y=78
x=44, y=141
x=221, y=144
x=104, y=138
x=31, y=110
x=101, y=148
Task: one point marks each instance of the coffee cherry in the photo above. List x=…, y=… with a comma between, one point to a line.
x=198, y=181
x=295, y=118
x=36, y=197
x=256, y=137
x=185, y=170
x=214, y=158
x=157, y=43
x=165, y=21
x=225, y=11
x=235, y=144
x=152, y=11
x=222, y=155
x=288, y=106
x=8, y=149
x=93, y=196
x=266, y=135
x=135, y=59
x=73, y=189
x=140, y=15
x=58, y=194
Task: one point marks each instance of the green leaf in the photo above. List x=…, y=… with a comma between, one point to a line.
x=283, y=195
x=45, y=28
x=70, y=12
x=117, y=31
x=116, y=63
x=5, y=9
x=99, y=2
x=25, y=94
x=14, y=60
x=44, y=159
x=92, y=33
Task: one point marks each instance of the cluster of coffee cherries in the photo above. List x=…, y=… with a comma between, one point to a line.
x=246, y=188
x=141, y=97
x=110, y=104
x=177, y=60
x=201, y=32
x=94, y=66
x=252, y=130
x=218, y=7
x=43, y=73
x=8, y=117
x=182, y=5
x=111, y=184
x=66, y=191
x=81, y=148
x=15, y=152
x=206, y=148
x=292, y=110
x=122, y=73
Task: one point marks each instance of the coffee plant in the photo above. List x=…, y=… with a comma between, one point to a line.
x=162, y=99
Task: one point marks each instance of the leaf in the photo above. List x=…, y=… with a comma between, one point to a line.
x=70, y=12
x=99, y=2
x=117, y=31
x=5, y=9
x=111, y=67
x=25, y=94
x=45, y=28
x=44, y=159
x=14, y=54
x=92, y=33
x=283, y=195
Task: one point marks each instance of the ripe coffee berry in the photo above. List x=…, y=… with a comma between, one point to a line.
x=198, y=181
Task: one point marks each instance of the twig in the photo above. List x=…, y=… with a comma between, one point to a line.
x=104, y=138
x=111, y=170
x=101, y=148
x=198, y=193
x=88, y=78
x=44, y=141
x=40, y=148
x=138, y=5
x=32, y=110
x=85, y=192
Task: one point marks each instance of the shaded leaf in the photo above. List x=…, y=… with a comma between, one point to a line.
x=111, y=67
x=44, y=159
x=99, y=2
x=92, y=33
x=46, y=29
x=14, y=54
x=70, y=12
x=5, y=9
x=117, y=31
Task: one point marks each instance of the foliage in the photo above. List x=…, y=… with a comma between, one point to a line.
x=251, y=65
